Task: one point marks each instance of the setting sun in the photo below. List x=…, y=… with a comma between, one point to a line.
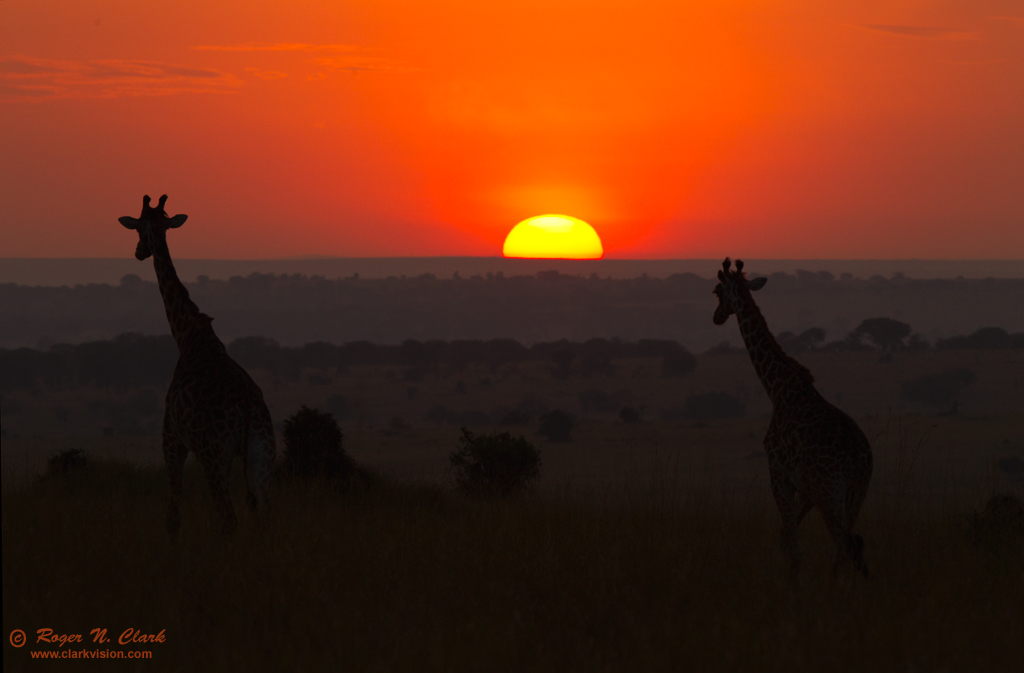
x=553, y=237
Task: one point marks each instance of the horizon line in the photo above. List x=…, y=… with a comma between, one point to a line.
x=313, y=258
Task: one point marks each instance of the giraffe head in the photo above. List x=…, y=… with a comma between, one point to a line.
x=152, y=226
x=732, y=289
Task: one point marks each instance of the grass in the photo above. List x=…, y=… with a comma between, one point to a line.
x=398, y=576
x=649, y=546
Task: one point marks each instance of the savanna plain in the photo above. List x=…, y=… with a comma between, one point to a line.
x=650, y=541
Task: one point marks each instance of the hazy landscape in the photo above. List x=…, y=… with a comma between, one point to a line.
x=648, y=541
x=650, y=536
x=534, y=302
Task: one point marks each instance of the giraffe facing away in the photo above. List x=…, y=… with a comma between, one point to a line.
x=817, y=455
x=213, y=407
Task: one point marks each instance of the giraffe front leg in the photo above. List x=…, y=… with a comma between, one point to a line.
x=786, y=498
x=217, y=469
x=258, y=460
x=175, y=453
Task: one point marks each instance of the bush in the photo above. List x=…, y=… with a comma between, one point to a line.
x=556, y=425
x=938, y=389
x=313, y=446
x=678, y=362
x=629, y=415
x=497, y=464
x=1000, y=523
x=713, y=406
x=66, y=462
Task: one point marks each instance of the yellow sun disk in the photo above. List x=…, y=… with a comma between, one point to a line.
x=553, y=237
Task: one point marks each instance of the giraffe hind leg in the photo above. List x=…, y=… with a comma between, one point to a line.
x=217, y=468
x=258, y=459
x=790, y=506
x=848, y=547
x=175, y=453
x=858, y=491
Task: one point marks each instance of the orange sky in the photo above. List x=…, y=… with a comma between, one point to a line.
x=768, y=129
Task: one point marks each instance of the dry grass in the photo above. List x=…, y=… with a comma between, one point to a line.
x=647, y=546
x=404, y=577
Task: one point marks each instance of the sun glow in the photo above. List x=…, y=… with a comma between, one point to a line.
x=553, y=237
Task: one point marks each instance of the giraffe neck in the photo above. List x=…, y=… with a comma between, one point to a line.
x=782, y=377
x=183, y=315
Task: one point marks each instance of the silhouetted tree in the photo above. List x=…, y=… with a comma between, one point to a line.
x=496, y=464
x=886, y=333
x=313, y=446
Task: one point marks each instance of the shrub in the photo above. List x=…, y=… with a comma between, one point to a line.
x=66, y=462
x=713, y=406
x=938, y=389
x=1000, y=523
x=497, y=464
x=313, y=446
x=629, y=415
x=678, y=362
x=556, y=425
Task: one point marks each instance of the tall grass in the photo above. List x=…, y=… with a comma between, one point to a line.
x=408, y=577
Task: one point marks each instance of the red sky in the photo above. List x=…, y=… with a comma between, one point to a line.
x=764, y=129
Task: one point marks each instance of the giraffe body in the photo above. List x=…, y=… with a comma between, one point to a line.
x=213, y=407
x=817, y=455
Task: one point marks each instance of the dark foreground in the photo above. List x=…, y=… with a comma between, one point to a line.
x=400, y=577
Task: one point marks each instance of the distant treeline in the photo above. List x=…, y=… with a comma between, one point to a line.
x=137, y=360
x=548, y=306
x=133, y=360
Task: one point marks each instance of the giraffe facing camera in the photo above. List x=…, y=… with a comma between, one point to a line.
x=213, y=407
x=817, y=455
x=151, y=221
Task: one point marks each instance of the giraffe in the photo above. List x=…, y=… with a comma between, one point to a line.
x=817, y=455
x=213, y=407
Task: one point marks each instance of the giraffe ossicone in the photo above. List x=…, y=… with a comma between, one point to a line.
x=817, y=455
x=213, y=407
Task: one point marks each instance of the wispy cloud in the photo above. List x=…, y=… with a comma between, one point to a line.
x=35, y=78
x=1019, y=20
x=921, y=31
x=266, y=74
x=346, y=57
x=279, y=46
x=361, y=63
